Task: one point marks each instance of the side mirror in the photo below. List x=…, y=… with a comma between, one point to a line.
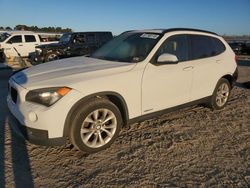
x=9, y=42
x=167, y=59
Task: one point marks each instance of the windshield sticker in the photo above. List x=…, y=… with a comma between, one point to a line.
x=150, y=36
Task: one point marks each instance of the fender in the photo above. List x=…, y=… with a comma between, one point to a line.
x=107, y=94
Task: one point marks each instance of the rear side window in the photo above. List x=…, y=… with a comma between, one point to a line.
x=201, y=47
x=176, y=45
x=91, y=39
x=219, y=46
x=105, y=37
x=204, y=46
x=30, y=38
x=15, y=39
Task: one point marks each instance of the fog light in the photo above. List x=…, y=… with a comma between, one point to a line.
x=32, y=116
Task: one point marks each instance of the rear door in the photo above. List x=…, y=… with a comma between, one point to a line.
x=30, y=42
x=207, y=61
x=92, y=42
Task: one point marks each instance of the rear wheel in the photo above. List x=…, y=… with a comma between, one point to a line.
x=221, y=94
x=95, y=126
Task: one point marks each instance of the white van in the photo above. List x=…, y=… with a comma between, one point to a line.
x=24, y=42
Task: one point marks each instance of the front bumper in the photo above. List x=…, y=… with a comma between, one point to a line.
x=37, y=58
x=34, y=136
x=39, y=124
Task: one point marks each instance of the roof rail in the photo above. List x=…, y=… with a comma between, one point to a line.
x=188, y=29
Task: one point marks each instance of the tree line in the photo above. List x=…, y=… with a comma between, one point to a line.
x=37, y=29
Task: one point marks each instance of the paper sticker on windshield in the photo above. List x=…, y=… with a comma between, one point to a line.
x=150, y=36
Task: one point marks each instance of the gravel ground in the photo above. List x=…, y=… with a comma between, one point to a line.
x=189, y=148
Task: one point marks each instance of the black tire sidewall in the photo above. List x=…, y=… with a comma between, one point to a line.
x=213, y=104
x=49, y=54
x=82, y=113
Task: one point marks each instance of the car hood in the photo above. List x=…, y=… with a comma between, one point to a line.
x=66, y=72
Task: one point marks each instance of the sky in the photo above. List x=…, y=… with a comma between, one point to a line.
x=231, y=17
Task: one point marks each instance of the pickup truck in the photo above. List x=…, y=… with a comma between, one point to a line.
x=70, y=45
x=24, y=42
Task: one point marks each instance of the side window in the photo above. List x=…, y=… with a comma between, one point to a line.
x=219, y=46
x=176, y=45
x=202, y=47
x=30, y=38
x=79, y=39
x=15, y=39
x=105, y=37
x=91, y=38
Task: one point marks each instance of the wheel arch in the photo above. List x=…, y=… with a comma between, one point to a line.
x=114, y=97
x=230, y=78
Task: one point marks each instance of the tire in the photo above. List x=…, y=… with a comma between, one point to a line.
x=51, y=56
x=95, y=125
x=220, y=95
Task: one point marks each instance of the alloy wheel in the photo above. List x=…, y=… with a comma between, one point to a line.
x=98, y=128
x=222, y=94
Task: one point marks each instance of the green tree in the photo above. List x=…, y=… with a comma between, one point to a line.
x=42, y=29
x=8, y=28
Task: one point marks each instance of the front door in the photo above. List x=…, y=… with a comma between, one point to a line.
x=14, y=46
x=167, y=85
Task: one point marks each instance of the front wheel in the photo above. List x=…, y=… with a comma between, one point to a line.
x=52, y=56
x=221, y=94
x=95, y=126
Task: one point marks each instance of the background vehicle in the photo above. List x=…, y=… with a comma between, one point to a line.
x=135, y=76
x=246, y=49
x=72, y=44
x=1, y=56
x=24, y=42
x=236, y=47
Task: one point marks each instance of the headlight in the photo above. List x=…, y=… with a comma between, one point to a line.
x=39, y=50
x=47, y=96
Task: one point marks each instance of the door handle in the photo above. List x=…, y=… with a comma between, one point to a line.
x=188, y=68
x=20, y=45
x=218, y=61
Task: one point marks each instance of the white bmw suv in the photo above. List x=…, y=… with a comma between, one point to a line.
x=137, y=75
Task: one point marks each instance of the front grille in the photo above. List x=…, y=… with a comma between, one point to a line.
x=13, y=94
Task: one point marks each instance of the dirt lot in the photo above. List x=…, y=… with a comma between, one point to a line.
x=187, y=148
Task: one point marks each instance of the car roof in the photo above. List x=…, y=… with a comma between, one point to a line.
x=20, y=32
x=89, y=32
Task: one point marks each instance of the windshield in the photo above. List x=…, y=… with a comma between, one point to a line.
x=65, y=38
x=128, y=47
x=4, y=36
